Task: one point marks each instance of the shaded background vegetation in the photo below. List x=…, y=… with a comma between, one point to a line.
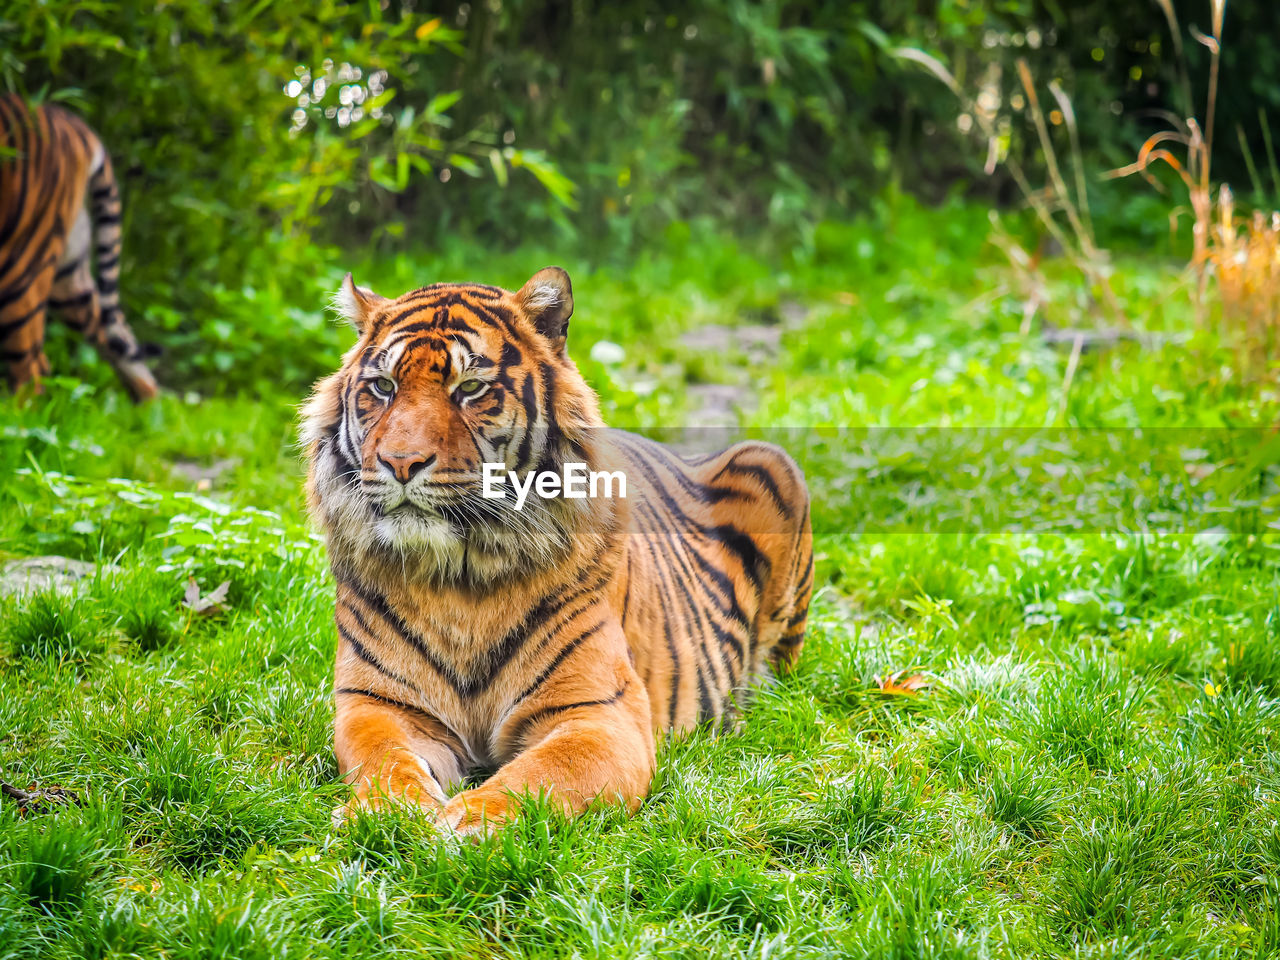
x=254, y=138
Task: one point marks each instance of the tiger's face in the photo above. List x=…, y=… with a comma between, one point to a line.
x=442, y=381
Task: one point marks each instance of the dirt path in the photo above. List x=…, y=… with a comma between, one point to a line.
x=750, y=348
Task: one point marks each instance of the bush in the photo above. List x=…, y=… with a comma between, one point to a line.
x=249, y=135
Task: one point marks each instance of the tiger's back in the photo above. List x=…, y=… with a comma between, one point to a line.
x=714, y=590
x=51, y=166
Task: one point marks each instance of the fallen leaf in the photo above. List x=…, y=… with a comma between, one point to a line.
x=898, y=685
x=211, y=603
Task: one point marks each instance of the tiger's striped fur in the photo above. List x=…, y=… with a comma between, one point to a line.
x=549, y=645
x=50, y=162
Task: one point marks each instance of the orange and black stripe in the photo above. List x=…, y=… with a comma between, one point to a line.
x=51, y=165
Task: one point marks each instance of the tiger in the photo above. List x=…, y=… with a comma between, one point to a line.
x=549, y=648
x=51, y=162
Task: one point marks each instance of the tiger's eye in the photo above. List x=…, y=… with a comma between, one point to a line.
x=470, y=386
x=385, y=386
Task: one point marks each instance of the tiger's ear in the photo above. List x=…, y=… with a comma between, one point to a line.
x=547, y=299
x=356, y=304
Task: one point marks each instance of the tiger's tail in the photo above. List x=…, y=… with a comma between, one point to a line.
x=123, y=349
x=104, y=197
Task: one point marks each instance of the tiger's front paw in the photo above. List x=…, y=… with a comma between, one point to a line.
x=478, y=813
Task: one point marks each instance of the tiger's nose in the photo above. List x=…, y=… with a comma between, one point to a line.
x=406, y=466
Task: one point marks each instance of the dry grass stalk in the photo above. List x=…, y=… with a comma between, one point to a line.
x=1194, y=174
x=1076, y=239
x=1240, y=253
x=1243, y=254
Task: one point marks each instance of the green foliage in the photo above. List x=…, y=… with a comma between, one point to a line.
x=53, y=865
x=153, y=620
x=54, y=625
x=227, y=118
x=236, y=128
x=1020, y=796
x=264, y=150
x=1086, y=714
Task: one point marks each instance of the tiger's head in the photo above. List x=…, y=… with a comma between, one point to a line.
x=440, y=382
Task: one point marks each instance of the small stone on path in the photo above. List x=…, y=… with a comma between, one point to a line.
x=37, y=574
x=203, y=476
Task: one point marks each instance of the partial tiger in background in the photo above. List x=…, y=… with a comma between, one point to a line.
x=51, y=163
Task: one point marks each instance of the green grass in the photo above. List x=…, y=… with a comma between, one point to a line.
x=1091, y=771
